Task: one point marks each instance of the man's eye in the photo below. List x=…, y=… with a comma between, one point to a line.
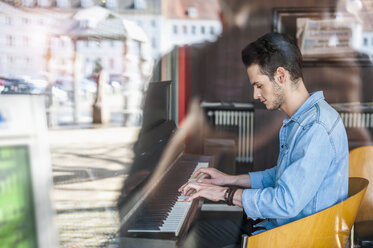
x=259, y=86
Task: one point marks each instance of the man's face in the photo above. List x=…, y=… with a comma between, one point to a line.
x=268, y=92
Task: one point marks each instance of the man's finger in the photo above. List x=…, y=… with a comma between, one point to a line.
x=190, y=192
x=182, y=187
x=204, y=171
x=189, y=186
x=204, y=180
x=194, y=196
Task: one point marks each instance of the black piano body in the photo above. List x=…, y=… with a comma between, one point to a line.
x=151, y=210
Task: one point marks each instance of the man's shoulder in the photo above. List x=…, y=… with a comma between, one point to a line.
x=321, y=113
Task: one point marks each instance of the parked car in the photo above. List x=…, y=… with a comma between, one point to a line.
x=2, y=85
x=18, y=86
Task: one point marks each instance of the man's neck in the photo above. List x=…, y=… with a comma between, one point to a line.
x=294, y=98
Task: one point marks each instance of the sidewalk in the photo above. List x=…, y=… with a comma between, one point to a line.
x=89, y=166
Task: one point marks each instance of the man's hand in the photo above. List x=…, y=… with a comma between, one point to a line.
x=212, y=176
x=209, y=191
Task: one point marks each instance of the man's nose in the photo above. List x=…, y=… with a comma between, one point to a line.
x=256, y=94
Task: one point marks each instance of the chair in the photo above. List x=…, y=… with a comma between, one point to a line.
x=361, y=165
x=328, y=228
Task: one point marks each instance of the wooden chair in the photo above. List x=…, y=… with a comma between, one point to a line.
x=328, y=228
x=361, y=165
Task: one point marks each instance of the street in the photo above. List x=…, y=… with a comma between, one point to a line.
x=89, y=166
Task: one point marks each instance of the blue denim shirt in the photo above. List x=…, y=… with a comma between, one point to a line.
x=312, y=167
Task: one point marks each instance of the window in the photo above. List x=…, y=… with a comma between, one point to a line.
x=25, y=20
x=62, y=3
x=86, y=43
x=10, y=59
x=185, y=29
x=86, y=3
x=192, y=12
x=193, y=29
x=112, y=43
x=27, y=60
x=110, y=4
x=27, y=3
x=202, y=30
x=154, y=43
x=26, y=41
x=153, y=23
x=212, y=30
x=8, y=20
x=139, y=4
x=10, y=40
x=365, y=41
x=174, y=29
x=112, y=63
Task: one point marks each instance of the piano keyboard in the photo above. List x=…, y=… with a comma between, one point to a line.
x=166, y=211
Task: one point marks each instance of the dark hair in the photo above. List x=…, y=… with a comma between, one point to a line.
x=271, y=51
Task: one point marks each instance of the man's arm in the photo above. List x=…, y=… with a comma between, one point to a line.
x=210, y=182
x=258, y=179
x=298, y=182
x=263, y=179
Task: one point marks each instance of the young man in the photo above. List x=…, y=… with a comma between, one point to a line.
x=312, y=168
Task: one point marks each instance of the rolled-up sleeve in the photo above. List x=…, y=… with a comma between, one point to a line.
x=297, y=183
x=263, y=179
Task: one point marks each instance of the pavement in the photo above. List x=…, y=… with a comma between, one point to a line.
x=89, y=166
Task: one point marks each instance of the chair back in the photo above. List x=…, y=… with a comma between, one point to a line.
x=328, y=228
x=361, y=165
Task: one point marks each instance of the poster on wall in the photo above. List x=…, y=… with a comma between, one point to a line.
x=325, y=38
x=323, y=35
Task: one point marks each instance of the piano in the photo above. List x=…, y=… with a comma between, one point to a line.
x=151, y=209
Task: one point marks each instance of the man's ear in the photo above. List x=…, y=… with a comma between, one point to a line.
x=281, y=74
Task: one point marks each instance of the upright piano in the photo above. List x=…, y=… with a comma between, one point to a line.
x=152, y=211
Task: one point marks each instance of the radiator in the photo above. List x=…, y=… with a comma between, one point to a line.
x=242, y=124
x=357, y=120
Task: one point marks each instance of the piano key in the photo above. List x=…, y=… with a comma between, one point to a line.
x=166, y=210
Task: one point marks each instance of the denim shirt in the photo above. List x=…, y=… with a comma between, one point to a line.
x=312, y=167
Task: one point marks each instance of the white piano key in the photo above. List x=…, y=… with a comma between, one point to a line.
x=179, y=211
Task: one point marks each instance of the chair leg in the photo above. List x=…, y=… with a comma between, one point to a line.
x=352, y=236
x=244, y=240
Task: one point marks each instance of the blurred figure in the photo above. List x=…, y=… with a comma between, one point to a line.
x=100, y=113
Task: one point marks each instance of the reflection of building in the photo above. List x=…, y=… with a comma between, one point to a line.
x=165, y=22
x=38, y=42
x=189, y=22
x=148, y=15
x=119, y=45
x=173, y=22
x=23, y=38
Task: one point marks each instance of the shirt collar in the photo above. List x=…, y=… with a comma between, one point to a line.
x=309, y=103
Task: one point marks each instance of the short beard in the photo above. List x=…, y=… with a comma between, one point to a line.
x=279, y=98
